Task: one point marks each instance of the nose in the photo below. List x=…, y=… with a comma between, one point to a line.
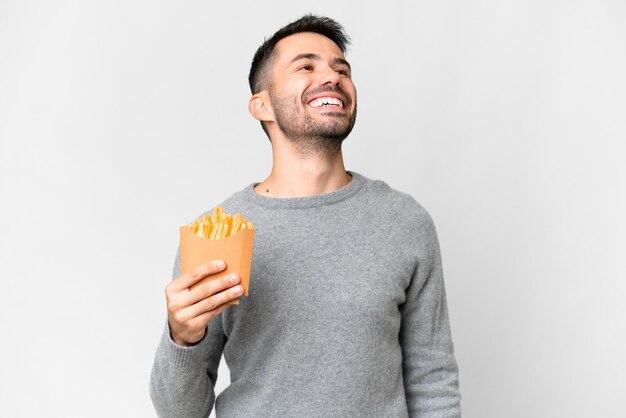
x=330, y=77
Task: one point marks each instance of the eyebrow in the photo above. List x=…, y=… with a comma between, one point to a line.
x=315, y=57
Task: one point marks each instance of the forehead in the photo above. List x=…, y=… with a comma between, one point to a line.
x=306, y=42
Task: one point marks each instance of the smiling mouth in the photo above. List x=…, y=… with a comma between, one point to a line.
x=327, y=102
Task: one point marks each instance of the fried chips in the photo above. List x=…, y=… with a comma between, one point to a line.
x=219, y=226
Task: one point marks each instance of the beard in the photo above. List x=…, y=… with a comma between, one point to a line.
x=308, y=135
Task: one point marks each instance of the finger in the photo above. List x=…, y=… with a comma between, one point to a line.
x=209, y=288
x=196, y=274
x=213, y=302
x=179, y=300
x=191, y=316
x=205, y=318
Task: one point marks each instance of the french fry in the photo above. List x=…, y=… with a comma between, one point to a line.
x=219, y=226
x=215, y=232
x=237, y=220
x=205, y=239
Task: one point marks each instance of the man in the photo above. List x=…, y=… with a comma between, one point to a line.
x=346, y=314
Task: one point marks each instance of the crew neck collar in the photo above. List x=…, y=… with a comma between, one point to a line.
x=307, y=201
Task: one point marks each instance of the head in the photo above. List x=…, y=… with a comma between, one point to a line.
x=301, y=84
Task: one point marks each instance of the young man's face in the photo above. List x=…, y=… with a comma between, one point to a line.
x=312, y=93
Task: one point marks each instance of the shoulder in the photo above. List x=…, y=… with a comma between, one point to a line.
x=234, y=203
x=397, y=204
x=237, y=200
x=404, y=220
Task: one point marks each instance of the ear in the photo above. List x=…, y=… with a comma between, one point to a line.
x=260, y=107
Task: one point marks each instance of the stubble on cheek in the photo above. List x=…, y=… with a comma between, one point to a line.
x=310, y=136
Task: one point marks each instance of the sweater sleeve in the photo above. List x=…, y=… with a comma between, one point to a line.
x=182, y=383
x=429, y=367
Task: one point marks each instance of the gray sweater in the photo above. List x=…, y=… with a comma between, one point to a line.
x=346, y=316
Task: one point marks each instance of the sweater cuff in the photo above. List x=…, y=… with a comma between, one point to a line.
x=183, y=357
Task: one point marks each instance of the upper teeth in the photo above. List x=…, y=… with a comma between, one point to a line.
x=326, y=101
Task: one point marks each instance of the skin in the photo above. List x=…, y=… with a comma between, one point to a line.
x=307, y=160
x=299, y=169
x=189, y=310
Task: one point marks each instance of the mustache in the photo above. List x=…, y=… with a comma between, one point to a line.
x=327, y=89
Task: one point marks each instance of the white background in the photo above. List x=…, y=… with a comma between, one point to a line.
x=121, y=120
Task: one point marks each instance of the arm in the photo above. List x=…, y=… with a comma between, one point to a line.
x=185, y=366
x=183, y=378
x=429, y=368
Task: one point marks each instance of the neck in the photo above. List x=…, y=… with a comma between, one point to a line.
x=295, y=174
